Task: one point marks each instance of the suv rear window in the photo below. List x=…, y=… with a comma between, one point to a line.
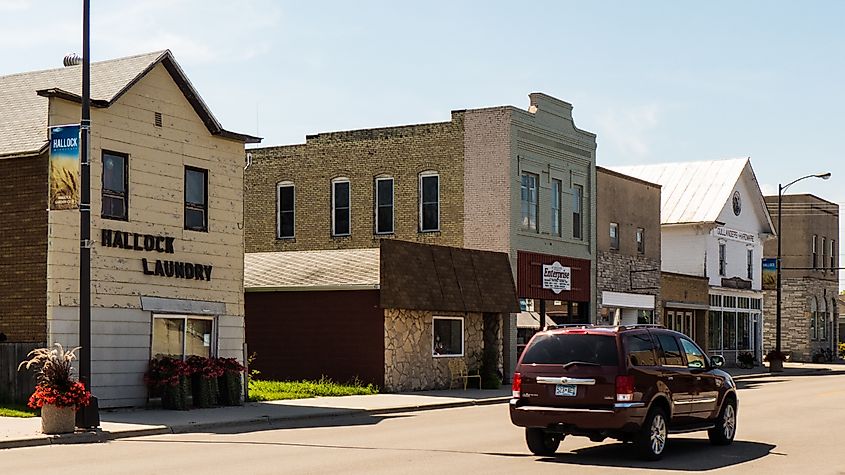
x=566, y=348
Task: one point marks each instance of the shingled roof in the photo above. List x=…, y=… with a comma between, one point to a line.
x=24, y=96
x=409, y=275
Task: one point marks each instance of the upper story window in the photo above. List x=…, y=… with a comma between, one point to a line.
x=286, y=195
x=722, y=257
x=429, y=202
x=528, y=194
x=196, y=199
x=577, y=208
x=384, y=205
x=556, y=201
x=822, y=261
x=832, y=254
x=641, y=240
x=614, y=236
x=115, y=196
x=750, y=263
x=815, y=255
x=341, y=207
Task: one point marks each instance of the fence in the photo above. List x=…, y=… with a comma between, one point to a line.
x=15, y=386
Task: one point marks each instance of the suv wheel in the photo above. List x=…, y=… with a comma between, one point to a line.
x=651, y=440
x=725, y=430
x=541, y=442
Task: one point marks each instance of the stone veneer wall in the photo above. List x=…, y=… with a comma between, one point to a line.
x=613, y=275
x=795, y=317
x=408, y=362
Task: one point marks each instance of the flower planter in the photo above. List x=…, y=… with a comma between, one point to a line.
x=204, y=390
x=176, y=397
x=57, y=420
x=230, y=388
x=775, y=366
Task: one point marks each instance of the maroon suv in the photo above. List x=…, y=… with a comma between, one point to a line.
x=636, y=384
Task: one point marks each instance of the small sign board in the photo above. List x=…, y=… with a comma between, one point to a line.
x=557, y=278
x=770, y=272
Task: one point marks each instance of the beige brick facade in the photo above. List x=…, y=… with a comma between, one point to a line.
x=361, y=156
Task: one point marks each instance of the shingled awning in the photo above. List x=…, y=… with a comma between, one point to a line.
x=424, y=277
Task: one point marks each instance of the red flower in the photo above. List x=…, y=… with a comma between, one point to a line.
x=75, y=396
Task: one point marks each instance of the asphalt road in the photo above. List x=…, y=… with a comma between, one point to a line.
x=786, y=425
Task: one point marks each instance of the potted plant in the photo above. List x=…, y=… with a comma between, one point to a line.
x=229, y=383
x=775, y=359
x=204, y=373
x=746, y=359
x=57, y=393
x=168, y=378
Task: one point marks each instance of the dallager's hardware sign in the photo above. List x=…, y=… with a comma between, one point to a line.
x=556, y=277
x=160, y=244
x=734, y=235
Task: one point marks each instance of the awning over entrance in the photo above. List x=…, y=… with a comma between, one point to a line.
x=625, y=300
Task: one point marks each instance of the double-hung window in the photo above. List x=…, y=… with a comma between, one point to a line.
x=750, y=263
x=614, y=236
x=341, y=207
x=429, y=202
x=384, y=205
x=641, y=240
x=833, y=251
x=815, y=252
x=722, y=263
x=528, y=192
x=555, y=214
x=115, y=196
x=196, y=199
x=286, y=195
x=577, y=208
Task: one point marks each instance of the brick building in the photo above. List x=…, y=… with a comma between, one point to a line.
x=810, y=276
x=166, y=199
x=502, y=179
x=628, y=240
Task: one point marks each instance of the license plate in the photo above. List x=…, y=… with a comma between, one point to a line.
x=566, y=390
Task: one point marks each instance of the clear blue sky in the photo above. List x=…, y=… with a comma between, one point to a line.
x=656, y=80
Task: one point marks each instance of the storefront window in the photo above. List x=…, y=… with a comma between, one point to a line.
x=181, y=336
x=743, y=321
x=729, y=330
x=714, y=334
x=448, y=336
x=645, y=316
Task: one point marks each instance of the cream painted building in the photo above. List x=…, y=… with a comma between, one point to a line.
x=167, y=220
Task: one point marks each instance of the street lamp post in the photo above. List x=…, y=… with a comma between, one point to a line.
x=781, y=189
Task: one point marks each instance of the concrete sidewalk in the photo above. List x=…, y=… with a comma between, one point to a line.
x=117, y=424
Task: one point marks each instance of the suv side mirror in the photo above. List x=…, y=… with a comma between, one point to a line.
x=717, y=360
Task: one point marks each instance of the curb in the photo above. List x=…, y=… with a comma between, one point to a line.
x=797, y=372
x=101, y=436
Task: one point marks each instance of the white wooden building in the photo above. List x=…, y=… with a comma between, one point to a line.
x=713, y=224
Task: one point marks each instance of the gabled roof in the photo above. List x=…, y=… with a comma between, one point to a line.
x=24, y=96
x=692, y=192
x=346, y=269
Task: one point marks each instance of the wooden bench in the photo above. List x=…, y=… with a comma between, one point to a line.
x=458, y=370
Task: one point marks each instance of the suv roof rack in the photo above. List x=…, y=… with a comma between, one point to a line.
x=554, y=326
x=641, y=325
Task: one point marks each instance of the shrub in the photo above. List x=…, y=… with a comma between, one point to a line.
x=775, y=355
x=168, y=377
x=842, y=350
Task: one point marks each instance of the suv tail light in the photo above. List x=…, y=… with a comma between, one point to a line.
x=624, y=388
x=517, y=385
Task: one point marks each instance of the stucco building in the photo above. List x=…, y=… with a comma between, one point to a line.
x=166, y=220
x=809, y=276
x=713, y=224
x=504, y=179
x=628, y=240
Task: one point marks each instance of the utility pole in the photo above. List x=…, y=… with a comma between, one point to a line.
x=87, y=417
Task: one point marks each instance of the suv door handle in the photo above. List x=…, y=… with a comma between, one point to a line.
x=698, y=378
x=670, y=378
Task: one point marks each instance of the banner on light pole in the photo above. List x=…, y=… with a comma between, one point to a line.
x=64, y=167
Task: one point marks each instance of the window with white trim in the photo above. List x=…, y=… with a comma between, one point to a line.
x=429, y=202
x=815, y=242
x=749, y=262
x=577, y=209
x=384, y=205
x=286, y=205
x=528, y=194
x=115, y=193
x=341, y=213
x=641, y=240
x=182, y=336
x=556, y=201
x=821, y=262
x=832, y=253
x=722, y=263
x=447, y=336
